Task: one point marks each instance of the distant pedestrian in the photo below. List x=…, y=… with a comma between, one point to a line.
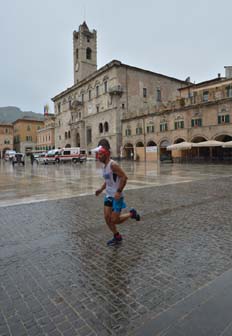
x=115, y=181
x=32, y=158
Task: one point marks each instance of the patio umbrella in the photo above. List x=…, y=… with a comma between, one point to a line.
x=227, y=144
x=180, y=146
x=209, y=143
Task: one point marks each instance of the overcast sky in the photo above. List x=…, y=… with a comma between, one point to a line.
x=178, y=38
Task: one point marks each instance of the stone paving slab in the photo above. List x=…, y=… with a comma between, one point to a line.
x=58, y=277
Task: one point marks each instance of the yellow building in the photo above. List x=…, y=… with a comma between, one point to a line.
x=6, y=138
x=25, y=134
x=46, y=135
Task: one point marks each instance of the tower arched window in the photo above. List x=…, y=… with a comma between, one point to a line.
x=106, y=126
x=100, y=128
x=77, y=54
x=88, y=53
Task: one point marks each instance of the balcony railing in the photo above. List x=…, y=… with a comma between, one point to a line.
x=116, y=90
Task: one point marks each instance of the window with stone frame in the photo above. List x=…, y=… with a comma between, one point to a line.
x=163, y=126
x=89, y=135
x=139, y=130
x=59, y=107
x=158, y=95
x=88, y=53
x=144, y=92
x=179, y=123
x=150, y=128
x=97, y=90
x=229, y=91
x=100, y=128
x=196, y=122
x=105, y=86
x=128, y=132
x=205, y=96
x=106, y=126
x=223, y=119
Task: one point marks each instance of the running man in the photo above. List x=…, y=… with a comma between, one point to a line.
x=115, y=181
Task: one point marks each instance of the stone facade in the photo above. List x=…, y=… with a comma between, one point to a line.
x=94, y=107
x=202, y=112
x=25, y=134
x=6, y=138
x=46, y=135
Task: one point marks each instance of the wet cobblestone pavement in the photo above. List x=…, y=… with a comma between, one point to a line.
x=58, y=277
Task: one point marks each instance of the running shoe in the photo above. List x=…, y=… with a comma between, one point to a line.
x=134, y=214
x=117, y=239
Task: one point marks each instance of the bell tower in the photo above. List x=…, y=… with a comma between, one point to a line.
x=84, y=52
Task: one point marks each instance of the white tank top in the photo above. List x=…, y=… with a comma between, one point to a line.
x=112, y=180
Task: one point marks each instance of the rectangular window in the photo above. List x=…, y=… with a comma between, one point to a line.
x=128, y=132
x=144, y=92
x=89, y=136
x=179, y=124
x=150, y=129
x=196, y=122
x=139, y=130
x=70, y=104
x=97, y=107
x=205, y=96
x=89, y=94
x=59, y=107
x=224, y=119
x=82, y=97
x=163, y=127
x=105, y=87
x=158, y=95
x=97, y=91
x=229, y=91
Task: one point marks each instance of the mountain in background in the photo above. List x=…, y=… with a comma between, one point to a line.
x=11, y=113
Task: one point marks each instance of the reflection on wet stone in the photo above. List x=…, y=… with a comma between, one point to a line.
x=58, y=277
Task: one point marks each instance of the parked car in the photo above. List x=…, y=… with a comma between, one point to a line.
x=9, y=154
x=40, y=157
x=18, y=158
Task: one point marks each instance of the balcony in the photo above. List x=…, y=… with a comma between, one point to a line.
x=116, y=90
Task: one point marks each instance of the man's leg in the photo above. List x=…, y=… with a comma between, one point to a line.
x=107, y=215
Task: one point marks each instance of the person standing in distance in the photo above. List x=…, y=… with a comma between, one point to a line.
x=115, y=181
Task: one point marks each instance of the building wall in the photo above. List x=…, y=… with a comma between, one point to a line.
x=218, y=105
x=122, y=98
x=46, y=135
x=6, y=138
x=25, y=134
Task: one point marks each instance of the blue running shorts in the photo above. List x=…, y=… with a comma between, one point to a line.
x=117, y=205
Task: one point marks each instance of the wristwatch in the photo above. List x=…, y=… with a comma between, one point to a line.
x=119, y=190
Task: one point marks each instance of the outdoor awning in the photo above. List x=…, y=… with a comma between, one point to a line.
x=180, y=146
x=227, y=144
x=209, y=143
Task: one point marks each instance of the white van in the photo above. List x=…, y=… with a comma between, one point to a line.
x=51, y=155
x=73, y=154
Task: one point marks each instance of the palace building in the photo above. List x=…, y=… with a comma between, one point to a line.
x=138, y=111
x=100, y=99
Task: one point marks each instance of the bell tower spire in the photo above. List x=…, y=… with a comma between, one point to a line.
x=84, y=52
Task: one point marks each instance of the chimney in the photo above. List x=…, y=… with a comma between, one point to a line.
x=228, y=71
